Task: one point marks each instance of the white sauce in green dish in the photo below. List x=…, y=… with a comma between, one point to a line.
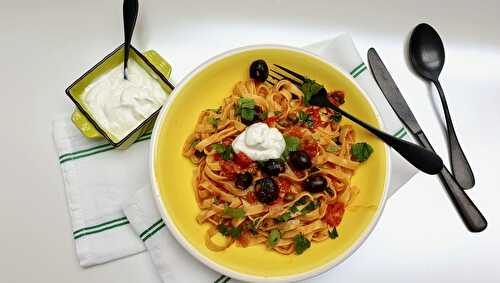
x=120, y=105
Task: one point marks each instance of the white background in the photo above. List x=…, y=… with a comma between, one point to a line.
x=46, y=45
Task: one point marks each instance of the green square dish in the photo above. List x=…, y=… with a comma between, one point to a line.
x=150, y=61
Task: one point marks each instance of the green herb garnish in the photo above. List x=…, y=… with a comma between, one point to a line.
x=310, y=207
x=301, y=244
x=291, y=144
x=214, y=121
x=250, y=226
x=310, y=88
x=216, y=110
x=332, y=148
x=284, y=217
x=236, y=213
x=306, y=119
x=226, y=152
x=336, y=117
x=277, y=113
x=333, y=234
x=293, y=209
x=246, y=108
x=302, y=200
x=274, y=237
x=235, y=233
x=194, y=143
x=361, y=151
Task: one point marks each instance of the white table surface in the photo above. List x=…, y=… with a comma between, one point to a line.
x=46, y=45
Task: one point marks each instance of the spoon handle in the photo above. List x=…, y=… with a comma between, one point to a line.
x=459, y=164
x=423, y=159
x=130, y=10
x=469, y=213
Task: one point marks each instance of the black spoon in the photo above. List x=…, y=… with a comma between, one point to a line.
x=427, y=58
x=423, y=159
x=130, y=9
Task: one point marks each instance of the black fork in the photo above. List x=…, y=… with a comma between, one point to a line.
x=423, y=159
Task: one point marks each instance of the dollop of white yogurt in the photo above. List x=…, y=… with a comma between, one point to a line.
x=259, y=142
x=120, y=105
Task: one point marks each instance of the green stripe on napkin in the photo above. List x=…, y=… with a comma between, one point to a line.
x=94, y=150
x=152, y=230
x=100, y=227
x=358, y=70
x=222, y=279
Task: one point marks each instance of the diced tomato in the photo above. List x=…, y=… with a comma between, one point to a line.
x=251, y=197
x=244, y=239
x=242, y=160
x=334, y=213
x=217, y=157
x=270, y=120
x=336, y=97
x=316, y=118
x=227, y=142
x=229, y=169
x=296, y=132
x=284, y=186
x=311, y=149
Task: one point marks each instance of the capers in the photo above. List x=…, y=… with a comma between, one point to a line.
x=300, y=160
x=315, y=184
x=266, y=190
x=243, y=180
x=273, y=167
x=259, y=70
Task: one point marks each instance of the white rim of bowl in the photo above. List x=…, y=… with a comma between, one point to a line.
x=208, y=262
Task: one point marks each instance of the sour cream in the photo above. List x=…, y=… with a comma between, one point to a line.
x=120, y=105
x=259, y=142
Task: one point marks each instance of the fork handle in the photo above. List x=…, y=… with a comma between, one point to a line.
x=423, y=159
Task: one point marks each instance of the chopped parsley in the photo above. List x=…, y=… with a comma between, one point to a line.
x=194, y=143
x=310, y=88
x=361, y=151
x=284, y=217
x=306, y=119
x=294, y=209
x=250, y=226
x=234, y=232
x=291, y=144
x=336, y=117
x=302, y=200
x=310, y=207
x=246, y=108
x=214, y=121
x=332, y=148
x=226, y=152
x=236, y=213
x=274, y=237
x=277, y=113
x=333, y=234
x=301, y=244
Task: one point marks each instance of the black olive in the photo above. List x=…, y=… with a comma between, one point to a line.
x=243, y=180
x=273, y=167
x=259, y=70
x=315, y=184
x=300, y=160
x=256, y=117
x=266, y=190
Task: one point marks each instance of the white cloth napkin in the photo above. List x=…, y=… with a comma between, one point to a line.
x=100, y=181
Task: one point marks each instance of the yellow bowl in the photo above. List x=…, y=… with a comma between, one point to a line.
x=172, y=174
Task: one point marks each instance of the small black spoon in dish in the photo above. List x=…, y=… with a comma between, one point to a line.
x=427, y=58
x=130, y=10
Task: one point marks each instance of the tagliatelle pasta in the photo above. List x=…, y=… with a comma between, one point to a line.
x=297, y=216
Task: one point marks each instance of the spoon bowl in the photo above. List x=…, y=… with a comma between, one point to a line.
x=427, y=58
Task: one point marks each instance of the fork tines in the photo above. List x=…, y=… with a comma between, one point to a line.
x=278, y=75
